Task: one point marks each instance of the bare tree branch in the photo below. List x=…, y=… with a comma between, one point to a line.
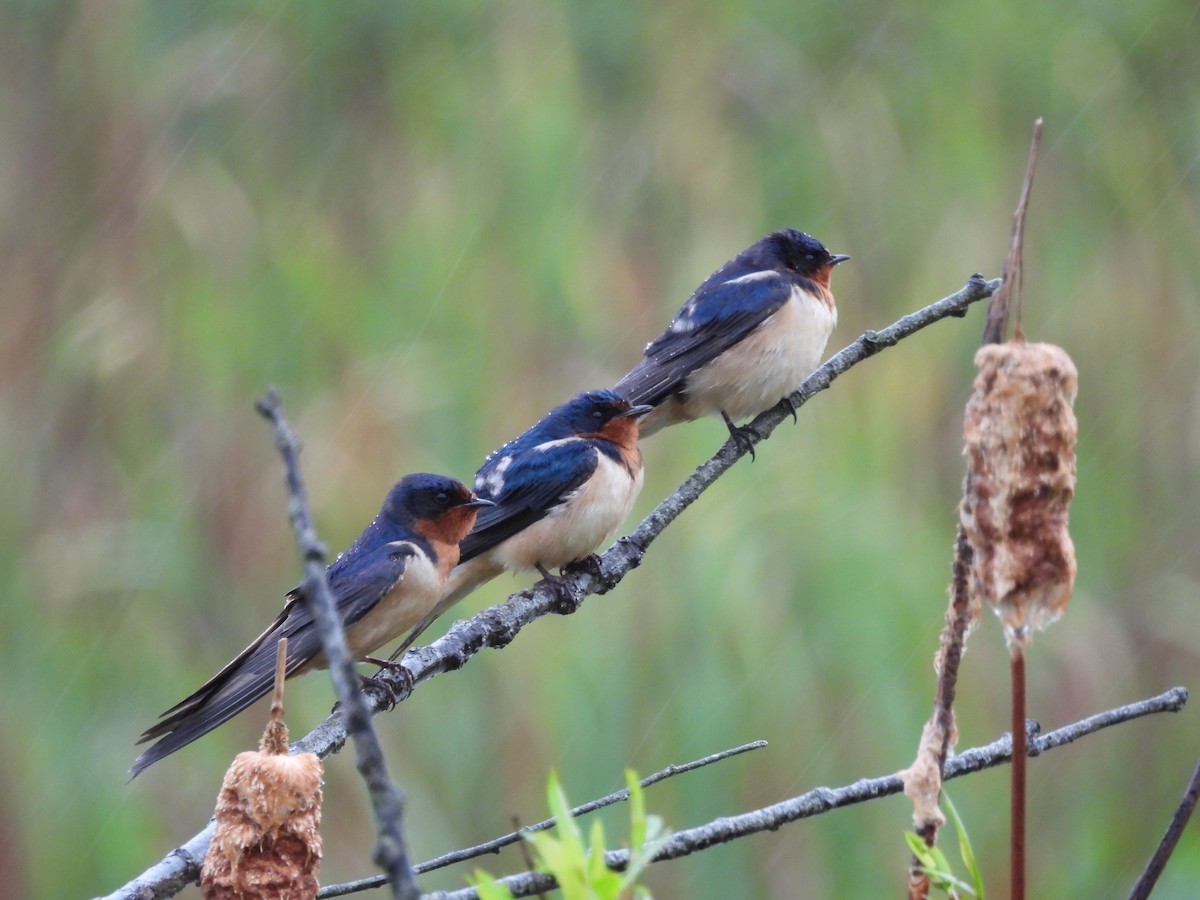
x=172, y=874
x=498, y=625
x=822, y=800
x=497, y=844
x=1158, y=862
x=387, y=800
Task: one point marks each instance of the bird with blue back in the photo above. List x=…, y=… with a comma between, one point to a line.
x=385, y=582
x=744, y=340
x=558, y=491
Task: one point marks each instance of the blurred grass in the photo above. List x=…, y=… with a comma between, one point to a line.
x=429, y=223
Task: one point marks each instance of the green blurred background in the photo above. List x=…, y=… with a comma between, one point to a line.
x=428, y=223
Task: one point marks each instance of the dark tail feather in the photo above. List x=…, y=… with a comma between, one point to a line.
x=196, y=721
x=644, y=383
x=246, y=679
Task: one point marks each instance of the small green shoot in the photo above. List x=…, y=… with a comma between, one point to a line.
x=580, y=870
x=933, y=862
x=487, y=887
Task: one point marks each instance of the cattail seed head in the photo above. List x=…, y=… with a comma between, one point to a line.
x=267, y=842
x=1020, y=433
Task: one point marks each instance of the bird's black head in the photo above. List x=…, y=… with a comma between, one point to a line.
x=424, y=496
x=795, y=251
x=587, y=413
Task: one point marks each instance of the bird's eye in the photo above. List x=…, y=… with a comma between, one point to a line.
x=597, y=414
x=441, y=498
x=810, y=257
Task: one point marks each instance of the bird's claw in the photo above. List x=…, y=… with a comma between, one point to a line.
x=389, y=692
x=565, y=601
x=792, y=408
x=589, y=565
x=742, y=435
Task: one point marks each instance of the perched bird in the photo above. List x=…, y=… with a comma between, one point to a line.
x=559, y=490
x=744, y=340
x=385, y=582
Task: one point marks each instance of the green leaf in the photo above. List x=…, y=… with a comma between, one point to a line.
x=487, y=887
x=580, y=870
x=918, y=848
x=647, y=834
x=964, y=848
x=565, y=824
x=605, y=883
x=932, y=862
x=637, y=809
x=944, y=881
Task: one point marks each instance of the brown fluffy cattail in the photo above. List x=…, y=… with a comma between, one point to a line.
x=267, y=842
x=1020, y=436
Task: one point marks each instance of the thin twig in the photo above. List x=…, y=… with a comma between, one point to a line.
x=591, y=806
x=275, y=737
x=959, y=617
x=1158, y=862
x=280, y=679
x=391, y=853
x=1016, y=859
x=958, y=622
x=497, y=844
x=821, y=800
x=1010, y=293
x=498, y=625
x=526, y=854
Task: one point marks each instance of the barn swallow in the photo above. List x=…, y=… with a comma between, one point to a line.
x=559, y=490
x=744, y=340
x=386, y=581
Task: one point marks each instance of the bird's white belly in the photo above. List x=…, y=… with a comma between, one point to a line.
x=575, y=528
x=764, y=367
x=403, y=607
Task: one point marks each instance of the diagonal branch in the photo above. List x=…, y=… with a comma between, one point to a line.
x=822, y=800
x=387, y=800
x=498, y=625
x=1158, y=862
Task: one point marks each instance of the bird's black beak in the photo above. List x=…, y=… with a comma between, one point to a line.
x=635, y=412
x=836, y=258
x=477, y=502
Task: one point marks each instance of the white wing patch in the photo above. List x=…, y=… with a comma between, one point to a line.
x=682, y=324
x=761, y=275
x=685, y=323
x=492, y=483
